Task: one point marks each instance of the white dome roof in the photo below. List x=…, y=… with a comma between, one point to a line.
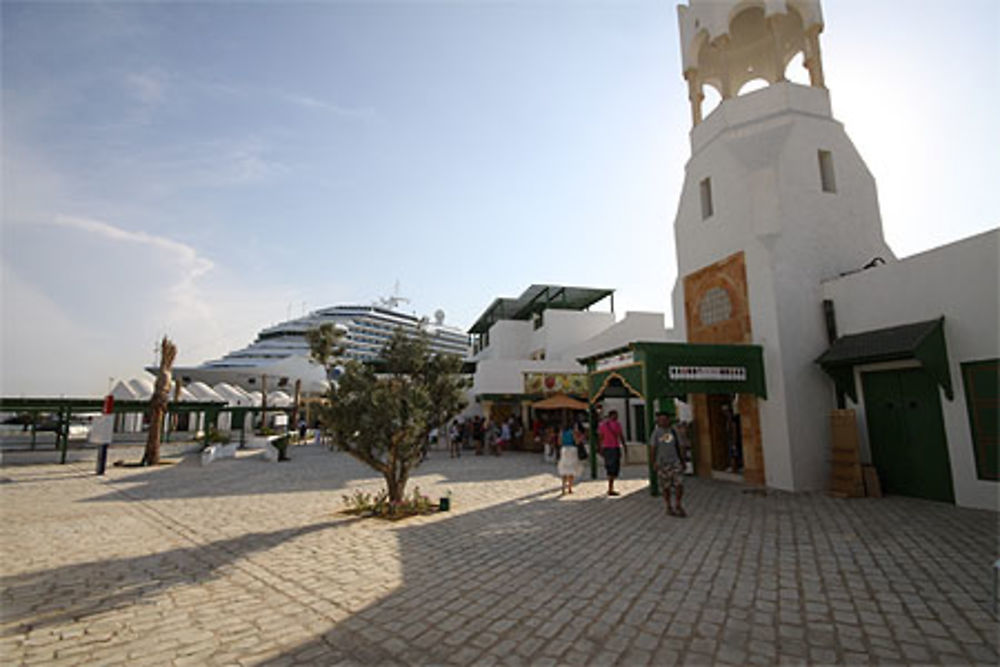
x=123, y=392
x=279, y=399
x=203, y=392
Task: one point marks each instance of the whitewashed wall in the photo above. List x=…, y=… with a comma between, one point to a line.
x=760, y=152
x=959, y=281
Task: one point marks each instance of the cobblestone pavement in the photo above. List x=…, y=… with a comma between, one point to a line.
x=248, y=562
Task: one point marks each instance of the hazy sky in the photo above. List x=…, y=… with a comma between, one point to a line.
x=205, y=169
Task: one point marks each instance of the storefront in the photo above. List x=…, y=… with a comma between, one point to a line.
x=657, y=373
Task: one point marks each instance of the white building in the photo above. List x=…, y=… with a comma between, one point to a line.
x=526, y=348
x=779, y=245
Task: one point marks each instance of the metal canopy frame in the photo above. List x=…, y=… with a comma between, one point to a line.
x=536, y=299
x=63, y=408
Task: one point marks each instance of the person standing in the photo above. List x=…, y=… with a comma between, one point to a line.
x=478, y=432
x=569, y=462
x=612, y=446
x=489, y=435
x=505, y=436
x=455, y=440
x=668, y=459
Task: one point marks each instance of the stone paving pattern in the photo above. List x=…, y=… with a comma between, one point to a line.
x=245, y=562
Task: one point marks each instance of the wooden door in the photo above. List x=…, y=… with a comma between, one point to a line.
x=906, y=432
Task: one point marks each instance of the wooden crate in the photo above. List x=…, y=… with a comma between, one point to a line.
x=846, y=479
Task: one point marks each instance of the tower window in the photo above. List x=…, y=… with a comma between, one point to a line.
x=826, y=178
x=706, y=198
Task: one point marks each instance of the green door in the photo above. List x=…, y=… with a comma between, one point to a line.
x=906, y=433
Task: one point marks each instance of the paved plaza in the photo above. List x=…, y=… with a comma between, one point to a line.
x=247, y=562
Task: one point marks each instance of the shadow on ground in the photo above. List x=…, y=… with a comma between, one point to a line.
x=598, y=580
x=77, y=592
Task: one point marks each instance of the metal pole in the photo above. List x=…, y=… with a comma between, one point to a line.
x=63, y=427
x=593, y=443
x=654, y=481
x=34, y=430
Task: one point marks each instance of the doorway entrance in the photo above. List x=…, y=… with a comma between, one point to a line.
x=906, y=432
x=719, y=430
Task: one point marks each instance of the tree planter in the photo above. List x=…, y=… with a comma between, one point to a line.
x=272, y=452
x=215, y=452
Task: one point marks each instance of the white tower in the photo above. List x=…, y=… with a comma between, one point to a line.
x=776, y=200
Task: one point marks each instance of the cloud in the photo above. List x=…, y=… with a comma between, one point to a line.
x=309, y=102
x=148, y=87
x=187, y=255
x=82, y=300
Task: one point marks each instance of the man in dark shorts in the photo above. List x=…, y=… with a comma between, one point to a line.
x=612, y=446
x=669, y=462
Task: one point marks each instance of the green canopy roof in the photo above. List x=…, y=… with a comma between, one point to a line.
x=536, y=299
x=923, y=341
x=656, y=369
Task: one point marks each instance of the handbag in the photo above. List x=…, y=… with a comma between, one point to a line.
x=581, y=452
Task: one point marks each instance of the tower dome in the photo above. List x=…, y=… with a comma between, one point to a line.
x=726, y=43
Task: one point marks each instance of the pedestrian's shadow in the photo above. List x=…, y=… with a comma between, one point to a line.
x=33, y=600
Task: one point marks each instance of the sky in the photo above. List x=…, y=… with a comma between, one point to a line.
x=204, y=169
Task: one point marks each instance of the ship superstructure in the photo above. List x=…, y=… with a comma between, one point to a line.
x=281, y=351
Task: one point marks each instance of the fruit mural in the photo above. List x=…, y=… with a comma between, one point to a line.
x=555, y=383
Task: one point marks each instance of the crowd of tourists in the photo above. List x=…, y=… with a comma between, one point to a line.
x=485, y=435
x=565, y=444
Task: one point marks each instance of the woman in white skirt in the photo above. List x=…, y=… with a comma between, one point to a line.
x=569, y=462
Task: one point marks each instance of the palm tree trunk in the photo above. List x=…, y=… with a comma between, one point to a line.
x=158, y=403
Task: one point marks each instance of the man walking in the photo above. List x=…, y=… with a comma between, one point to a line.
x=669, y=462
x=612, y=444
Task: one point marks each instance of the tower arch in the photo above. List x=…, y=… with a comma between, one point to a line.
x=727, y=44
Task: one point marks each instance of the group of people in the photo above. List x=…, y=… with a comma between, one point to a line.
x=568, y=445
x=484, y=435
x=669, y=457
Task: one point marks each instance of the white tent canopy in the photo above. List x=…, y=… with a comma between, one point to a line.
x=232, y=395
x=142, y=387
x=203, y=392
x=123, y=392
x=279, y=399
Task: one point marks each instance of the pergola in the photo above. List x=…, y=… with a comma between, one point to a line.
x=63, y=408
x=537, y=298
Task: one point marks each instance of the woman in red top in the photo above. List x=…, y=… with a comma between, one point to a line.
x=612, y=442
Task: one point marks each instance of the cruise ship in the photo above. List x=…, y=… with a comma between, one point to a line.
x=281, y=352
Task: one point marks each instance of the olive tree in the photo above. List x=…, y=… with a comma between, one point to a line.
x=382, y=413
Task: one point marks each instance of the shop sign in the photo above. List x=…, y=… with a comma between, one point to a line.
x=555, y=383
x=614, y=361
x=710, y=373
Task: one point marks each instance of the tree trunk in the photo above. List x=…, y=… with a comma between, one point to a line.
x=295, y=406
x=394, y=486
x=263, y=403
x=158, y=403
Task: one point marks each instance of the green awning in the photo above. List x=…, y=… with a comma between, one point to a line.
x=658, y=370
x=922, y=341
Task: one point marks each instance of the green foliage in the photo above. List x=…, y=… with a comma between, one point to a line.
x=379, y=504
x=216, y=437
x=384, y=417
x=324, y=343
